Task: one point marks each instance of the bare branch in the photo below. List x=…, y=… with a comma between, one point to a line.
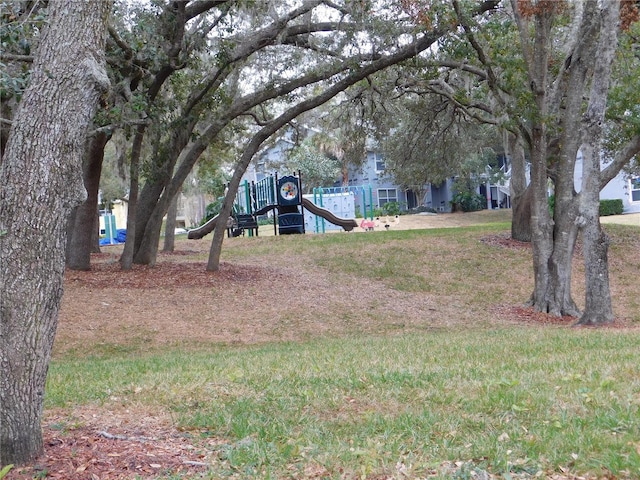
x=201, y=6
x=113, y=126
x=624, y=156
x=16, y=58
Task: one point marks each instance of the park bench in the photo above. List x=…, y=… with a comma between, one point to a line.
x=243, y=222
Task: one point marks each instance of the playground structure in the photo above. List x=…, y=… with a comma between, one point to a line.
x=282, y=199
x=112, y=234
x=349, y=201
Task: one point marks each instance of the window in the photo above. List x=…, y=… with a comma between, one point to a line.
x=379, y=160
x=635, y=189
x=386, y=195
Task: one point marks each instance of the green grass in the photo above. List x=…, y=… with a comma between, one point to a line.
x=446, y=402
x=504, y=401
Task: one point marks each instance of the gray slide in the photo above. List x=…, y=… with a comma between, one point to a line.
x=347, y=224
x=204, y=229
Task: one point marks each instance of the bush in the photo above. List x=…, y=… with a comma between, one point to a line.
x=391, y=208
x=607, y=207
x=212, y=210
x=611, y=207
x=469, y=201
x=422, y=209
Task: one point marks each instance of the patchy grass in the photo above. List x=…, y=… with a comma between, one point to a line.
x=366, y=355
x=505, y=401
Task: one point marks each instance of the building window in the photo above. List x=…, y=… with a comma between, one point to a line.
x=379, y=161
x=386, y=195
x=635, y=189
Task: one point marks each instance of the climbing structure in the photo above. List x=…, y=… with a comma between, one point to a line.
x=281, y=197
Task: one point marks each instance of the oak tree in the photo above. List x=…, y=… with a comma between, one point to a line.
x=41, y=179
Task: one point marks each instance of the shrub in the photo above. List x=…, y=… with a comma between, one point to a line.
x=212, y=210
x=266, y=220
x=610, y=207
x=468, y=201
x=391, y=209
x=423, y=208
x=607, y=207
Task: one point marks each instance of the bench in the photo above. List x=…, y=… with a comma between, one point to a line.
x=243, y=222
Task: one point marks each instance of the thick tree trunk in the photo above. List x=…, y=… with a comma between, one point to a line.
x=565, y=232
x=126, y=259
x=41, y=178
x=578, y=73
x=561, y=101
x=541, y=223
x=82, y=225
x=521, y=215
x=156, y=196
x=598, y=309
x=521, y=195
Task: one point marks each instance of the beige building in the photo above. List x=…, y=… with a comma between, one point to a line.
x=191, y=211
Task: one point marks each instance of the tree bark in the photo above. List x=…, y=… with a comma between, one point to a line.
x=598, y=309
x=82, y=223
x=521, y=195
x=126, y=259
x=170, y=225
x=557, y=131
x=541, y=224
x=41, y=178
x=521, y=215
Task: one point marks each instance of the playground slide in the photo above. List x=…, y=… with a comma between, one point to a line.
x=204, y=229
x=347, y=223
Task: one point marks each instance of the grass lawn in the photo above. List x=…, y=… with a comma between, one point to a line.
x=399, y=355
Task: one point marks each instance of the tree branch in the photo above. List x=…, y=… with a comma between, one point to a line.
x=16, y=58
x=624, y=156
x=113, y=126
x=201, y=6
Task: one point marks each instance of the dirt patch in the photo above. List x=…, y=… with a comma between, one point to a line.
x=505, y=241
x=527, y=315
x=97, y=444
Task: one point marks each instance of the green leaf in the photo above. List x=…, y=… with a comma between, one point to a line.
x=5, y=471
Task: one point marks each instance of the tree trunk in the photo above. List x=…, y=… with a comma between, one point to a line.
x=82, y=225
x=521, y=195
x=541, y=224
x=565, y=231
x=126, y=259
x=521, y=215
x=598, y=309
x=156, y=196
x=41, y=178
x=170, y=225
x=560, y=105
